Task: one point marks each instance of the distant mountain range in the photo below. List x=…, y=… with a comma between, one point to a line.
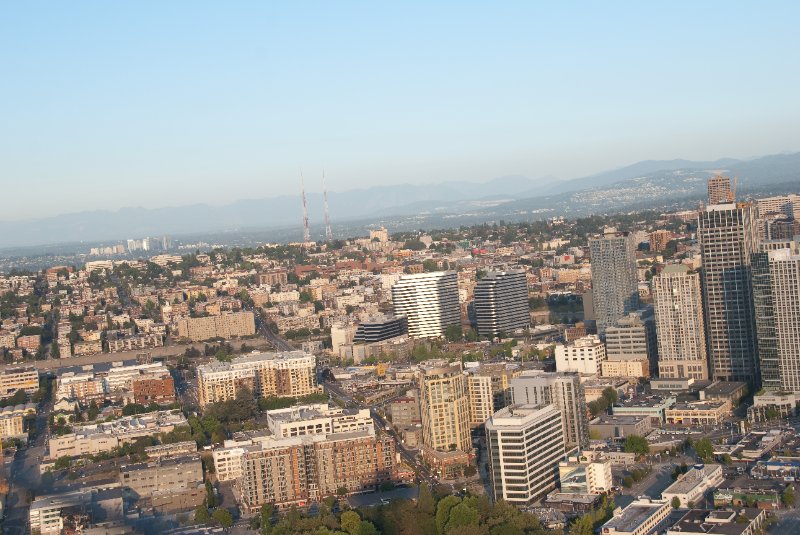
x=643, y=184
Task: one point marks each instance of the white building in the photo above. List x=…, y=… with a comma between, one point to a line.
x=525, y=445
x=691, y=486
x=585, y=356
x=429, y=301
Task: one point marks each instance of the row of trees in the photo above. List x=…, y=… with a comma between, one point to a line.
x=435, y=513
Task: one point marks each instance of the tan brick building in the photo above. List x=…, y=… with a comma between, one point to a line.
x=222, y=326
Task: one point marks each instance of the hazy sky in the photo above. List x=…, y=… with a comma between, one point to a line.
x=111, y=104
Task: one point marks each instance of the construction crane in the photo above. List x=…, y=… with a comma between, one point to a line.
x=328, y=231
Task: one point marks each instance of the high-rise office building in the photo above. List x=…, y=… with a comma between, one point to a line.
x=501, y=302
x=565, y=392
x=776, y=297
x=444, y=405
x=680, y=324
x=524, y=446
x=728, y=236
x=615, y=287
x=429, y=301
x=719, y=190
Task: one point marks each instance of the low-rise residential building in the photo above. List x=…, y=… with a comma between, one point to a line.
x=153, y=388
x=12, y=421
x=15, y=379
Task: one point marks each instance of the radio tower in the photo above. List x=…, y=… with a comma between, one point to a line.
x=306, y=231
x=328, y=231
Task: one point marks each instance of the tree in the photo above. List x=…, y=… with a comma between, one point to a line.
x=704, y=449
x=788, y=496
x=201, y=515
x=636, y=444
x=611, y=395
x=676, y=502
x=223, y=517
x=350, y=522
x=461, y=515
x=93, y=411
x=443, y=509
x=425, y=501
x=453, y=333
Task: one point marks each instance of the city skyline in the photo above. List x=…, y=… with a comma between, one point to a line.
x=111, y=107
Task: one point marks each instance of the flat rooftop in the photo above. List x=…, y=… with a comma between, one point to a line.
x=633, y=516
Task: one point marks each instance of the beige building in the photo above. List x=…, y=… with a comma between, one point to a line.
x=698, y=412
x=162, y=475
x=11, y=424
x=444, y=404
x=489, y=388
x=288, y=374
x=680, y=324
x=226, y=326
x=625, y=368
x=14, y=379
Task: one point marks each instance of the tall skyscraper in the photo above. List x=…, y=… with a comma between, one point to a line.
x=429, y=301
x=444, y=406
x=565, y=392
x=525, y=446
x=719, y=190
x=501, y=302
x=680, y=326
x=728, y=236
x=615, y=290
x=776, y=297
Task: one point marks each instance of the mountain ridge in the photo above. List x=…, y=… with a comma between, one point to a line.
x=507, y=192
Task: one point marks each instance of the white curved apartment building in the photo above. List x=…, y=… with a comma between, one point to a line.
x=429, y=301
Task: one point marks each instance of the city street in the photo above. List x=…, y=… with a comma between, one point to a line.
x=24, y=478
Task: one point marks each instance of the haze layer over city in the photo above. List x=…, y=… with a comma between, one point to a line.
x=418, y=269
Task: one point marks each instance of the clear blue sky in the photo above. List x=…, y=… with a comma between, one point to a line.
x=112, y=104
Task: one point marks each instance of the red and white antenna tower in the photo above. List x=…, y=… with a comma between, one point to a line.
x=306, y=231
x=328, y=231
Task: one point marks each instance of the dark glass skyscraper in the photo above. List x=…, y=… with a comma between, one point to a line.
x=728, y=237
